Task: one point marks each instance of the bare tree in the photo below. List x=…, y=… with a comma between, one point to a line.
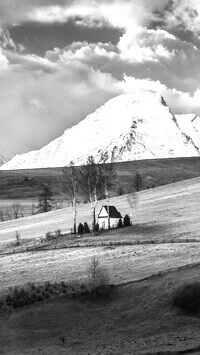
x=8, y=215
x=107, y=176
x=2, y=216
x=89, y=181
x=70, y=185
x=132, y=199
x=33, y=209
x=17, y=210
x=97, y=275
x=138, y=181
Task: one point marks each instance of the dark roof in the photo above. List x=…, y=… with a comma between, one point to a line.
x=113, y=213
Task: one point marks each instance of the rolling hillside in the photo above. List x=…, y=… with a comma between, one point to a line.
x=24, y=186
x=173, y=208
x=165, y=219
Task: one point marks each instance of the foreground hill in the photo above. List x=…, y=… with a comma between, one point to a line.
x=134, y=126
x=136, y=319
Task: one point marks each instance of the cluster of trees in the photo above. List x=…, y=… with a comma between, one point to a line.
x=84, y=228
x=92, y=180
x=14, y=212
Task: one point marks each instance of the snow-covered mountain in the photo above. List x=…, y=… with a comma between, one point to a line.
x=137, y=125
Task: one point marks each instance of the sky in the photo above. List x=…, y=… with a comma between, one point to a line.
x=61, y=59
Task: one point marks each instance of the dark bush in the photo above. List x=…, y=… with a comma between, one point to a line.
x=8, y=299
x=80, y=228
x=187, y=297
x=58, y=233
x=96, y=228
x=86, y=228
x=120, y=191
x=120, y=225
x=127, y=221
x=49, y=236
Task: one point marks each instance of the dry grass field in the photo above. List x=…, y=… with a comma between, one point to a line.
x=125, y=263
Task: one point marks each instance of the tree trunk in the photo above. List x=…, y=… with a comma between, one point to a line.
x=94, y=210
x=108, y=206
x=74, y=213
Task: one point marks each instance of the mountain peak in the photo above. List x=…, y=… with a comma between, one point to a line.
x=137, y=125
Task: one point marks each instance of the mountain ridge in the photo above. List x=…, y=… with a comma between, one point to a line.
x=137, y=125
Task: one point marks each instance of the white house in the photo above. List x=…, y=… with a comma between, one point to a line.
x=114, y=217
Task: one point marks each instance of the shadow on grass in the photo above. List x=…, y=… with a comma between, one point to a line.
x=147, y=229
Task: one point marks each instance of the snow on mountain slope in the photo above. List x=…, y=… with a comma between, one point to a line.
x=189, y=124
x=137, y=125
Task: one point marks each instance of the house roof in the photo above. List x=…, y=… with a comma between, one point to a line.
x=113, y=213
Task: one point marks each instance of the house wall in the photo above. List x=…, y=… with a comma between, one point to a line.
x=103, y=213
x=103, y=222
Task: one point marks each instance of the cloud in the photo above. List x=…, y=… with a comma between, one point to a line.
x=119, y=13
x=179, y=101
x=36, y=105
x=185, y=14
x=145, y=53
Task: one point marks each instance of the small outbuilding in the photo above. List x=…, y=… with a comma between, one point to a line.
x=108, y=213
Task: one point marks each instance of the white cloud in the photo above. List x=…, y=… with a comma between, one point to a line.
x=3, y=61
x=185, y=14
x=145, y=45
x=123, y=14
x=37, y=105
x=178, y=101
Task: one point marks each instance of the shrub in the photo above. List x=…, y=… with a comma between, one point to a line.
x=187, y=297
x=86, y=229
x=8, y=299
x=58, y=233
x=98, y=277
x=18, y=238
x=49, y=236
x=80, y=228
x=96, y=227
x=127, y=221
x=120, y=225
x=120, y=191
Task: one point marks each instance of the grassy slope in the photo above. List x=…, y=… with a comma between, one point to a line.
x=137, y=319
x=163, y=213
x=171, y=210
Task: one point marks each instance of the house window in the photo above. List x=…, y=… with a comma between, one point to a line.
x=103, y=225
